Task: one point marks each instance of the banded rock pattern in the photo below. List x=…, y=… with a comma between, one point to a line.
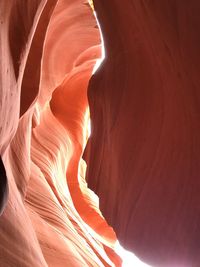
x=48, y=50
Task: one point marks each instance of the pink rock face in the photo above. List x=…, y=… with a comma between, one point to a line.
x=144, y=152
x=49, y=217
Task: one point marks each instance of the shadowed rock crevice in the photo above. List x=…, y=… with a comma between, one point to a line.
x=3, y=187
x=22, y=15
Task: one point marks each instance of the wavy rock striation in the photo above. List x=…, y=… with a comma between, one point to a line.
x=143, y=154
x=48, y=50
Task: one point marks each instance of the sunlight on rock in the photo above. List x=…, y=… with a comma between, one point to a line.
x=129, y=259
x=91, y=4
x=99, y=61
x=89, y=128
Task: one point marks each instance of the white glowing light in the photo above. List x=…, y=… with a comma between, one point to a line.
x=89, y=128
x=129, y=259
x=99, y=61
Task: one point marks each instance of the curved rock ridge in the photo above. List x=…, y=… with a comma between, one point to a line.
x=143, y=156
x=48, y=50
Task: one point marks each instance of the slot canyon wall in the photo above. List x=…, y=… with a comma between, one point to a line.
x=143, y=155
x=49, y=217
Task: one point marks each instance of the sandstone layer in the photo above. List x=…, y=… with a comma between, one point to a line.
x=49, y=217
x=143, y=155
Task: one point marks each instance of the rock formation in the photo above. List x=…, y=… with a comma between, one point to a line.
x=142, y=156
x=48, y=51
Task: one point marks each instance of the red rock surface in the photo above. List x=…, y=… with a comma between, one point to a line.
x=48, y=50
x=144, y=151
x=143, y=154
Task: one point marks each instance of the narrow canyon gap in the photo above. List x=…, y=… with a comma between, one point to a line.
x=143, y=154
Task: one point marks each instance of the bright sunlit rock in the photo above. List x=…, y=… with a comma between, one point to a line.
x=89, y=128
x=91, y=4
x=99, y=61
x=129, y=259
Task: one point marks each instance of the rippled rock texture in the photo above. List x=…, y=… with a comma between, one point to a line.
x=143, y=156
x=49, y=217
